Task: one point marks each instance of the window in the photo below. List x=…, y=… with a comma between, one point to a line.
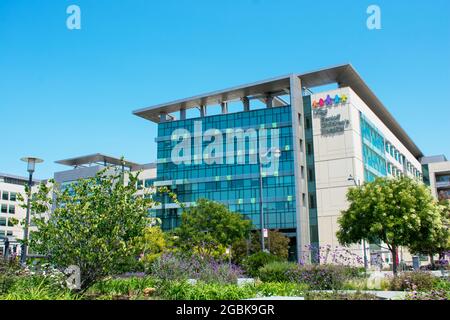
x=9, y=233
x=312, y=201
x=12, y=196
x=309, y=148
x=10, y=224
x=4, y=208
x=3, y=222
x=308, y=123
x=12, y=209
x=5, y=195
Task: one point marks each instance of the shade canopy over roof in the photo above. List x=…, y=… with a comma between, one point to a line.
x=344, y=75
x=96, y=158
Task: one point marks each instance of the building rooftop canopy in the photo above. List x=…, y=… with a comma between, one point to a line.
x=97, y=159
x=344, y=75
x=433, y=159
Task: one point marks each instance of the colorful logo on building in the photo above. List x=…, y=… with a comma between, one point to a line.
x=328, y=101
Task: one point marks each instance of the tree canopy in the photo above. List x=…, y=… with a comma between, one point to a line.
x=394, y=211
x=96, y=224
x=209, y=226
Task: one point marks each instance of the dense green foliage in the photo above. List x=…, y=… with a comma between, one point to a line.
x=254, y=262
x=277, y=244
x=317, y=277
x=413, y=281
x=439, y=241
x=394, y=211
x=177, y=266
x=201, y=291
x=96, y=224
x=209, y=228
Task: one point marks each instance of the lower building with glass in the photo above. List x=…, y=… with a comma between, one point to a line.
x=294, y=144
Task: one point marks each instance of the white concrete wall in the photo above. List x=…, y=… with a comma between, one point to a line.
x=339, y=156
x=437, y=168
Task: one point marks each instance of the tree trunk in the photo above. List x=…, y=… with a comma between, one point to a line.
x=433, y=265
x=394, y=260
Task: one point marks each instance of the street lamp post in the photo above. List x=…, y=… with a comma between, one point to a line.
x=31, y=163
x=358, y=184
x=277, y=153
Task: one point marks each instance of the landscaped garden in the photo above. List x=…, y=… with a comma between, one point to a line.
x=101, y=229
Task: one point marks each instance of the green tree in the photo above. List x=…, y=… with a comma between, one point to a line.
x=394, y=211
x=209, y=227
x=96, y=224
x=152, y=244
x=436, y=242
x=277, y=244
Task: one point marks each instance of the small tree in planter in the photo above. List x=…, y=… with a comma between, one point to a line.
x=394, y=211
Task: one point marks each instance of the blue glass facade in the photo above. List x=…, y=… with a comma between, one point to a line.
x=373, y=147
x=236, y=185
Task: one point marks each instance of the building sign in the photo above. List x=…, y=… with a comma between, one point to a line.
x=330, y=125
x=328, y=102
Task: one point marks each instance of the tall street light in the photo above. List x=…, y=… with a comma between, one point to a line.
x=277, y=154
x=358, y=184
x=31, y=163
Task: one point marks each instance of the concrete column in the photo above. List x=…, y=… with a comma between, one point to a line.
x=162, y=117
x=202, y=111
x=269, y=101
x=182, y=114
x=246, y=103
x=224, y=106
x=301, y=186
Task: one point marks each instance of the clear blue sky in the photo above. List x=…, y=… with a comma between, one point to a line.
x=67, y=93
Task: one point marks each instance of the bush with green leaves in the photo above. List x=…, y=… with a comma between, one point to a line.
x=177, y=266
x=96, y=224
x=181, y=290
x=254, y=262
x=277, y=244
x=311, y=295
x=47, y=284
x=209, y=228
x=413, y=281
x=277, y=271
x=317, y=277
x=110, y=288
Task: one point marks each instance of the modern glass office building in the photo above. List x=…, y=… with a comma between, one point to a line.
x=315, y=140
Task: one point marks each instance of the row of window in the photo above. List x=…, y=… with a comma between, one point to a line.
x=401, y=159
x=231, y=120
x=9, y=196
x=4, y=222
x=7, y=233
x=147, y=183
x=4, y=208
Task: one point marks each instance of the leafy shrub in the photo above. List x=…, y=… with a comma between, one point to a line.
x=277, y=271
x=254, y=262
x=180, y=267
x=411, y=281
x=39, y=287
x=317, y=277
x=181, y=290
x=340, y=296
x=285, y=289
x=122, y=286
